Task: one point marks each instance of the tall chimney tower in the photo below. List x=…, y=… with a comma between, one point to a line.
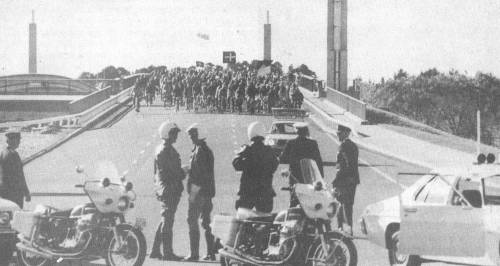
x=336, y=75
x=32, y=44
x=267, y=39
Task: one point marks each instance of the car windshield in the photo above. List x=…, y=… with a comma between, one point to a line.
x=310, y=171
x=282, y=128
x=491, y=186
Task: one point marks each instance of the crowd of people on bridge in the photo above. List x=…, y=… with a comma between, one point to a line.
x=214, y=89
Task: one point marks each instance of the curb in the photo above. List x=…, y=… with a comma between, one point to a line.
x=75, y=133
x=318, y=121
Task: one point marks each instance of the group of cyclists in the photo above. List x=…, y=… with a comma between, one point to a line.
x=214, y=89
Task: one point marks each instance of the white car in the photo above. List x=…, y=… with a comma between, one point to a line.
x=8, y=237
x=448, y=215
x=280, y=133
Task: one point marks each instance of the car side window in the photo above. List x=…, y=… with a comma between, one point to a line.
x=436, y=191
x=424, y=191
x=439, y=192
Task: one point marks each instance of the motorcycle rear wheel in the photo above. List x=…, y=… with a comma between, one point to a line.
x=29, y=259
x=341, y=252
x=132, y=253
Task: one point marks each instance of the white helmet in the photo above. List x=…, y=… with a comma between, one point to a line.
x=165, y=128
x=256, y=129
x=201, y=132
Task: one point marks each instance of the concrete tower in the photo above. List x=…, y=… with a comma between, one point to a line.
x=32, y=45
x=267, y=39
x=336, y=76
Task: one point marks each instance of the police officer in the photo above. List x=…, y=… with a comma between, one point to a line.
x=258, y=163
x=347, y=177
x=169, y=175
x=201, y=189
x=297, y=149
x=12, y=181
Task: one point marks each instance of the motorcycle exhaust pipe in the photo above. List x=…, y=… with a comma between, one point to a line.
x=225, y=253
x=22, y=246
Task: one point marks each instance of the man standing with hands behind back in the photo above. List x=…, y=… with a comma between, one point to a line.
x=347, y=177
x=201, y=189
x=12, y=181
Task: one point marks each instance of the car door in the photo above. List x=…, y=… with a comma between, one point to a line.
x=430, y=225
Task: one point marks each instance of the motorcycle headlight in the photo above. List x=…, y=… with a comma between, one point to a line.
x=5, y=218
x=123, y=203
x=332, y=210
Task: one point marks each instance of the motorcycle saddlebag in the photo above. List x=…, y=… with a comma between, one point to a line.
x=226, y=228
x=24, y=222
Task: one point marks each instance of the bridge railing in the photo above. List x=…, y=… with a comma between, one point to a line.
x=81, y=118
x=342, y=100
x=18, y=84
x=346, y=102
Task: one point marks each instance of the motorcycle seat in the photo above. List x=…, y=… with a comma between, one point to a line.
x=268, y=218
x=244, y=214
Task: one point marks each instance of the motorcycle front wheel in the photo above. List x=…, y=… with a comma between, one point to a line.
x=132, y=252
x=341, y=252
x=29, y=259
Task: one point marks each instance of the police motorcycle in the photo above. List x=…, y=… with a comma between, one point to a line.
x=298, y=236
x=88, y=231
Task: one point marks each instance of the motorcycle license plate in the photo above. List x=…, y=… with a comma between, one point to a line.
x=140, y=222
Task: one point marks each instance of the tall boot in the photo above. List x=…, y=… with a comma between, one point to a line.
x=210, y=239
x=168, y=252
x=194, y=244
x=155, y=251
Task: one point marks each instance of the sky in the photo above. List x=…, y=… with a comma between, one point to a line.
x=383, y=35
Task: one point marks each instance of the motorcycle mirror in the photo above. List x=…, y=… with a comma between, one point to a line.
x=285, y=173
x=79, y=169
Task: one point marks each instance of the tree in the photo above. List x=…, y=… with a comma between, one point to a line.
x=303, y=69
x=123, y=71
x=401, y=74
x=86, y=75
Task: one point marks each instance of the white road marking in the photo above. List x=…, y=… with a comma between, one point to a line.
x=149, y=143
x=375, y=169
x=142, y=152
x=235, y=143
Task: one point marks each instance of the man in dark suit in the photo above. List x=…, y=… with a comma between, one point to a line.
x=12, y=181
x=347, y=177
x=297, y=149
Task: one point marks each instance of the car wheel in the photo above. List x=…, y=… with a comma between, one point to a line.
x=398, y=259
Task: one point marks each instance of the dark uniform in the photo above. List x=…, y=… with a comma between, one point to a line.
x=296, y=150
x=201, y=175
x=170, y=175
x=12, y=181
x=347, y=179
x=258, y=163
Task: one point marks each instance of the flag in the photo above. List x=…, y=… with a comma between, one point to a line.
x=229, y=57
x=203, y=36
x=199, y=64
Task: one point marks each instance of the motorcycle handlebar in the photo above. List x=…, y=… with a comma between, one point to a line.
x=79, y=186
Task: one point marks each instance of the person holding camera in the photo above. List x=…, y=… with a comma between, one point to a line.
x=258, y=163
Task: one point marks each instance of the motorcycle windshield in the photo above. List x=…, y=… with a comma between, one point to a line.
x=107, y=195
x=310, y=171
